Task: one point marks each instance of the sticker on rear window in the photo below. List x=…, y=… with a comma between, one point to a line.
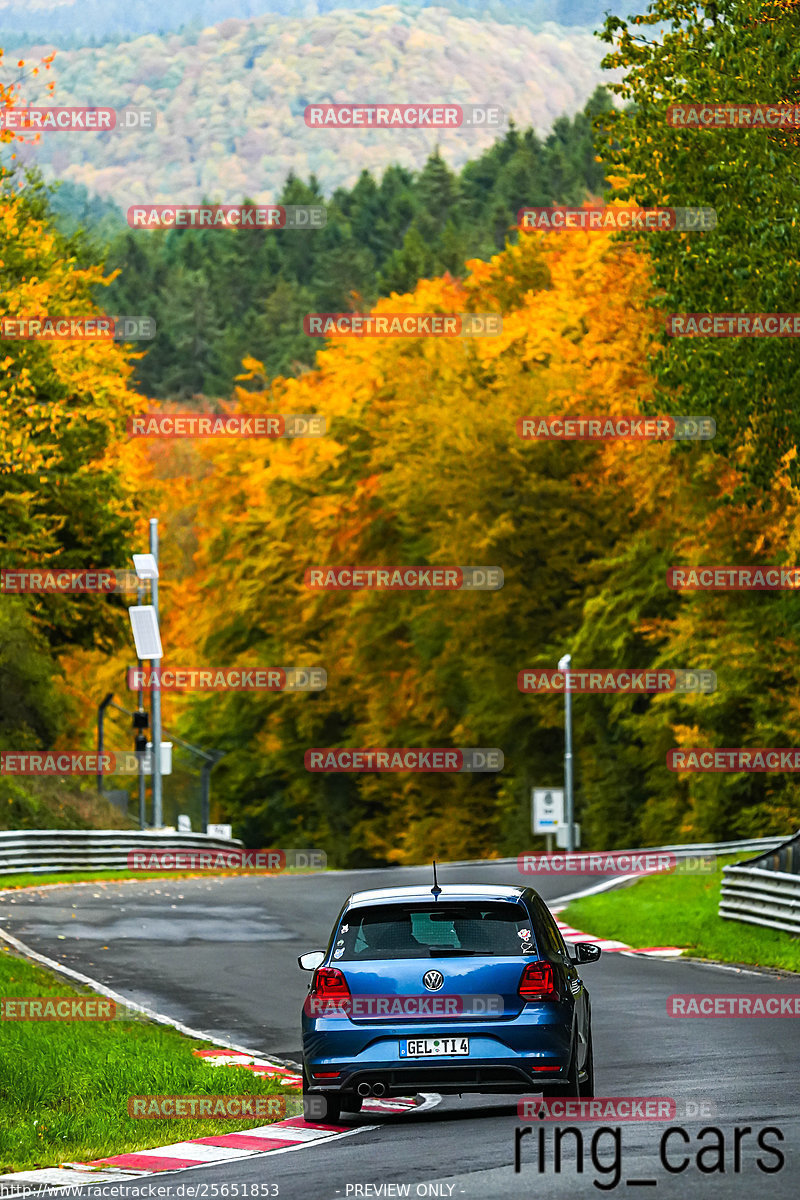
x=525, y=934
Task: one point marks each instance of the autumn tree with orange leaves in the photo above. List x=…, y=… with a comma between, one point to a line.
x=63, y=410
x=422, y=464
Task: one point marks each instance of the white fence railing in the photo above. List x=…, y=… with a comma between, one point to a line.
x=46, y=851
x=761, y=897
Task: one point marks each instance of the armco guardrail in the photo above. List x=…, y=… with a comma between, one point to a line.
x=760, y=897
x=682, y=851
x=765, y=890
x=40, y=851
x=785, y=857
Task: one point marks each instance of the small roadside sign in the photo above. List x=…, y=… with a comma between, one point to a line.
x=547, y=809
x=561, y=836
x=220, y=831
x=166, y=759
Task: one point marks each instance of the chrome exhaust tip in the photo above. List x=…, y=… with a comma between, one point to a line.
x=364, y=1089
x=379, y=1089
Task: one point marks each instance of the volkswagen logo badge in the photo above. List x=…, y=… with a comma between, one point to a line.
x=433, y=980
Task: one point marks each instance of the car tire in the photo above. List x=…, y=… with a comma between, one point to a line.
x=587, y=1084
x=320, y=1106
x=572, y=1087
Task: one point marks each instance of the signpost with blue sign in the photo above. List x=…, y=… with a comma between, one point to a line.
x=547, y=809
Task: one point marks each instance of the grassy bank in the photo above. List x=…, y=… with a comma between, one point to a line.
x=32, y=802
x=681, y=910
x=65, y=1085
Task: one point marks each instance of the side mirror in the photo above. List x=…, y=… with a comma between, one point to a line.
x=312, y=960
x=585, y=952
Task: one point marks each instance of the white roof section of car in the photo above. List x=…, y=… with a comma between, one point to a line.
x=449, y=891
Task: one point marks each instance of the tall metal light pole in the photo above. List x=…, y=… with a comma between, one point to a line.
x=147, y=639
x=101, y=712
x=140, y=707
x=205, y=785
x=563, y=665
x=155, y=700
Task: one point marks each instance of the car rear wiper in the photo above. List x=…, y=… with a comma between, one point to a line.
x=437, y=951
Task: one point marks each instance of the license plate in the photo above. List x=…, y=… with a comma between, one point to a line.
x=433, y=1047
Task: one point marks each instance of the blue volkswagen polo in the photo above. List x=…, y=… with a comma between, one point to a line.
x=456, y=989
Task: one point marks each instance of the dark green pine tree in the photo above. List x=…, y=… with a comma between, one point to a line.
x=438, y=198
x=414, y=260
x=193, y=334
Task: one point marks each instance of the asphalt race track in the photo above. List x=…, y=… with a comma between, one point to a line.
x=220, y=956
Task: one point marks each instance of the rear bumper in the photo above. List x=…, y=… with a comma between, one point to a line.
x=520, y=1055
x=487, y=1077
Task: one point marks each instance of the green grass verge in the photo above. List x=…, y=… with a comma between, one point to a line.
x=64, y=1085
x=681, y=910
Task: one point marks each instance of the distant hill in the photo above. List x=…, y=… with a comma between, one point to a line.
x=231, y=98
x=91, y=22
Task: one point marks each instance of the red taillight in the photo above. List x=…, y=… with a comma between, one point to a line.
x=330, y=984
x=538, y=982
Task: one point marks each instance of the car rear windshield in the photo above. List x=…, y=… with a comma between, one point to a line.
x=422, y=931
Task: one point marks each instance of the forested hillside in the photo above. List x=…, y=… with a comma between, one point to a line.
x=230, y=100
x=93, y=22
x=218, y=296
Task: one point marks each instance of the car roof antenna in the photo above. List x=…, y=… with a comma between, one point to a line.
x=435, y=890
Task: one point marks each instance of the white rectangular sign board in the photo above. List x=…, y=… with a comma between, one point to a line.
x=548, y=809
x=220, y=831
x=166, y=759
x=561, y=836
x=146, y=634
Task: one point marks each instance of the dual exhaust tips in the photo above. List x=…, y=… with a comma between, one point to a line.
x=371, y=1089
